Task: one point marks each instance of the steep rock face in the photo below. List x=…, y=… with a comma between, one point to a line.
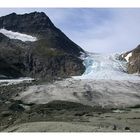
x=52, y=55
x=133, y=59
x=39, y=25
x=27, y=23
x=10, y=57
x=54, y=66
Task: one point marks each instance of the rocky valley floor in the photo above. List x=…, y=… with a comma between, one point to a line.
x=72, y=120
x=70, y=106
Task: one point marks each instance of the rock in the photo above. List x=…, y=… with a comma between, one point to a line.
x=7, y=102
x=114, y=127
x=16, y=107
x=127, y=128
x=20, y=23
x=52, y=55
x=134, y=60
x=80, y=114
x=5, y=113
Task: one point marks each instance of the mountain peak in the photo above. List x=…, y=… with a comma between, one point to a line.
x=26, y=23
x=43, y=51
x=37, y=13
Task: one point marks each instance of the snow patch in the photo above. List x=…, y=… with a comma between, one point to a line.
x=128, y=56
x=7, y=82
x=19, y=36
x=82, y=55
x=118, y=111
x=122, y=55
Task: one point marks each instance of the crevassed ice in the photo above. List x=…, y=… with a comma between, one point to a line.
x=19, y=36
x=106, y=66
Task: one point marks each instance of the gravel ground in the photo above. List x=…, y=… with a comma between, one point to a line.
x=69, y=115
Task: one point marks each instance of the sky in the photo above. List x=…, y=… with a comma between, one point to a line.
x=101, y=30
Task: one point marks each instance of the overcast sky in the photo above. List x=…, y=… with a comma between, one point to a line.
x=95, y=30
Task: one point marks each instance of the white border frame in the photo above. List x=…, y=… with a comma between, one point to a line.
x=70, y=3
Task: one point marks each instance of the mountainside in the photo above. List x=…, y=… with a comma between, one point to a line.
x=50, y=84
x=133, y=59
x=31, y=46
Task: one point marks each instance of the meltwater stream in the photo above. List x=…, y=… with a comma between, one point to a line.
x=106, y=66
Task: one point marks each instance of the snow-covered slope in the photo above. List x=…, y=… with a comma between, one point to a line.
x=106, y=66
x=19, y=36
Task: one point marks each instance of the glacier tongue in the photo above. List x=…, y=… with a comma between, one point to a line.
x=19, y=36
x=106, y=66
x=104, y=83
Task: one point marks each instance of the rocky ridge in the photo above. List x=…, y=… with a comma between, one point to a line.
x=52, y=55
x=133, y=60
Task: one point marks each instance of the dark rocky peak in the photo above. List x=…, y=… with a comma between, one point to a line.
x=27, y=23
x=39, y=25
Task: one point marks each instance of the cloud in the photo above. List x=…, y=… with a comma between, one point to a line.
x=101, y=30
x=97, y=30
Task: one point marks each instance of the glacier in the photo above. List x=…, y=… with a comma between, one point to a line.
x=17, y=35
x=106, y=66
x=104, y=83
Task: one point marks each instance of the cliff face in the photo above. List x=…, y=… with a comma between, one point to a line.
x=52, y=55
x=39, y=25
x=133, y=59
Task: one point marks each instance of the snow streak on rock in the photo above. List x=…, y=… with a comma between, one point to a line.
x=128, y=56
x=19, y=36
